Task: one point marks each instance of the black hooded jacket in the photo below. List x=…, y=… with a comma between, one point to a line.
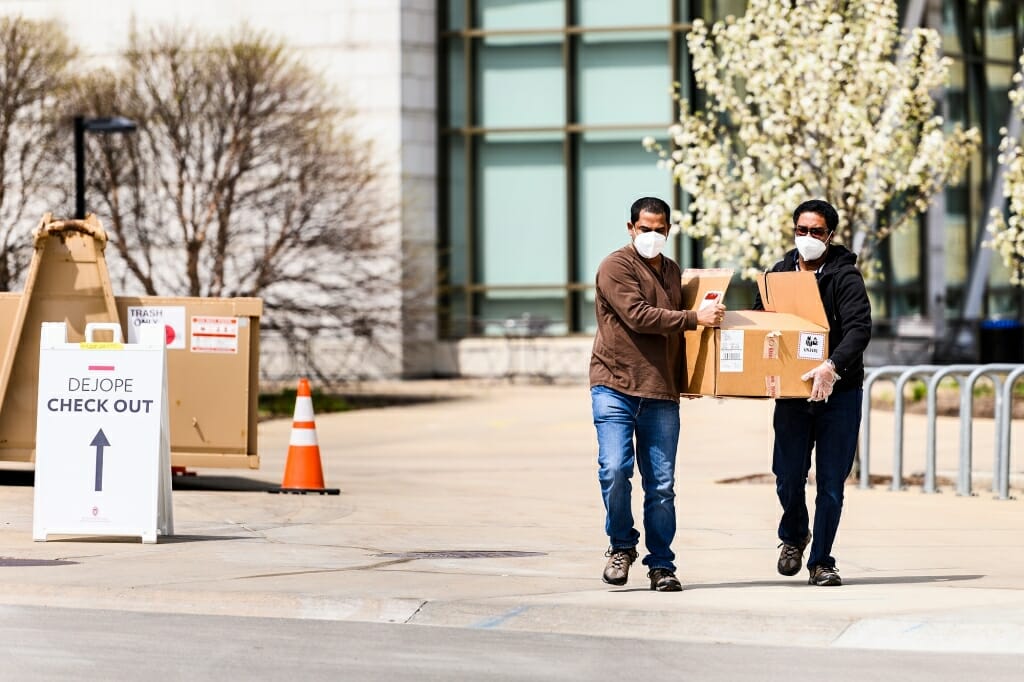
x=841, y=286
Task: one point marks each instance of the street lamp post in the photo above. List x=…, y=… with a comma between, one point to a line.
x=105, y=124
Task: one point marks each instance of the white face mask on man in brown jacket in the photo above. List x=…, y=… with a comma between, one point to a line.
x=649, y=244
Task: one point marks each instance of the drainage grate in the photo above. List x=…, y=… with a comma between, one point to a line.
x=459, y=554
x=11, y=561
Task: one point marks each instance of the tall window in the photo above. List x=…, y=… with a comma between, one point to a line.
x=544, y=106
x=983, y=39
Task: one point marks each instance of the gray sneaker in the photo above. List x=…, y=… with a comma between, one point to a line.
x=824, y=576
x=792, y=557
x=616, y=571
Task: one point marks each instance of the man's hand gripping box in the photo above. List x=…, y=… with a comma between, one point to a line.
x=756, y=353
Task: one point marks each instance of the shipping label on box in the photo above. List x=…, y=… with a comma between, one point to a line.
x=730, y=354
x=811, y=346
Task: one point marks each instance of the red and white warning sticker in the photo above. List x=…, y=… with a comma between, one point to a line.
x=214, y=334
x=711, y=298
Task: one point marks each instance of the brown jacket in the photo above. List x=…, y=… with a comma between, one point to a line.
x=639, y=347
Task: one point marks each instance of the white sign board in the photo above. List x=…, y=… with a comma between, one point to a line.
x=170, y=318
x=103, y=461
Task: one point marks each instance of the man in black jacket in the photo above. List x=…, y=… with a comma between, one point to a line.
x=828, y=423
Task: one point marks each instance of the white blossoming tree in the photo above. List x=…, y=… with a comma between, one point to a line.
x=1008, y=232
x=811, y=99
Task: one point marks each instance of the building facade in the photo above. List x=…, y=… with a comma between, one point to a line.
x=380, y=56
x=509, y=135
x=542, y=107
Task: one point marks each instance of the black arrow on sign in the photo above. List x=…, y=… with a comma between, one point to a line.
x=99, y=441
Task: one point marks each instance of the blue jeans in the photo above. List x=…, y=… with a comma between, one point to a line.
x=619, y=418
x=829, y=429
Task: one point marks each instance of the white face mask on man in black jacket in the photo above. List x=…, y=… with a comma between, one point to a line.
x=810, y=248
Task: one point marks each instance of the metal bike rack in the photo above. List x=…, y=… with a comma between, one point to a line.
x=1001, y=475
x=897, y=408
x=993, y=371
x=967, y=376
x=932, y=397
x=865, y=418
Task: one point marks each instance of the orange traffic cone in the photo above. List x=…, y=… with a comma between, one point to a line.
x=302, y=471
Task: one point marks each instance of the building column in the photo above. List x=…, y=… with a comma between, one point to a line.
x=418, y=209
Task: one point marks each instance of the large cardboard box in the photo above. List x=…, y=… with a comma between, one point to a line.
x=212, y=348
x=756, y=353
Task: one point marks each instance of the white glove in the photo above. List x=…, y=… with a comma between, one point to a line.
x=825, y=377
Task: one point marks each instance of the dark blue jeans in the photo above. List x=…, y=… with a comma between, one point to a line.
x=619, y=418
x=829, y=429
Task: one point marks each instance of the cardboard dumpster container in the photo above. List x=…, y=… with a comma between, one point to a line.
x=212, y=348
x=212, y=374
x=756, y=353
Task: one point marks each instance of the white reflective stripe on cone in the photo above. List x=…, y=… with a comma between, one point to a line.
x=303, y=437
x=303, y=409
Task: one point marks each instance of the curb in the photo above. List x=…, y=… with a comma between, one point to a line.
x=752, y=629
x=982, y=633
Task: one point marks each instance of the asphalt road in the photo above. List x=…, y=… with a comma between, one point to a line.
x=40, y=643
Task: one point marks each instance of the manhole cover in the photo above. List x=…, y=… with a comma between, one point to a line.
x=11, y=561
x=458, y=554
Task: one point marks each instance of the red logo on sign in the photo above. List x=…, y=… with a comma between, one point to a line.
x=169, y=334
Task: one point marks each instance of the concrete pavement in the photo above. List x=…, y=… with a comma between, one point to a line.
x=483, y=511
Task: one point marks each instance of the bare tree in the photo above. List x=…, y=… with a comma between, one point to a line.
x=240, y=181
x=34, y=56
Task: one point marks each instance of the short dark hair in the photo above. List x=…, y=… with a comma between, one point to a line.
x=649, y=205
x=822, y=208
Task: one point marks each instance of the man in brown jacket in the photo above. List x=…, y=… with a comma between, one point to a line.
x=636, y=373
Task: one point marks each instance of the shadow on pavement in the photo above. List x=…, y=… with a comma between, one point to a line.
x=910, y=579
x=172, y=539
x=26, y=478
x=130, y=539
x=875, y=580
x=17, y=477
x=222, y=484
x=14, y=561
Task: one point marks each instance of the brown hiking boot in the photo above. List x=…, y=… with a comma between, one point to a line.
x=824, y=576
x=616, y=571
x=664, y=580
x=792, y=556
